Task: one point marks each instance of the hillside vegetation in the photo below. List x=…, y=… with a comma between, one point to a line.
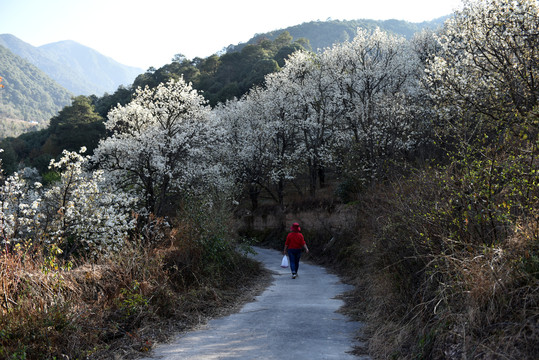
x=28, y=94
x=36, y=80
x=220, y=78
x=83, y=71
x=324, y=34
x=411, y=164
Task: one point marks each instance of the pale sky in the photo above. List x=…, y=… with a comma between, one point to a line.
x=146, y=33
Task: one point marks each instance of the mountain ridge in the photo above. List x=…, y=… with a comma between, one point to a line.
x=323, y=34
x=84, y=72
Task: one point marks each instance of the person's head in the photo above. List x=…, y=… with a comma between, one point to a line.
x=295, y=227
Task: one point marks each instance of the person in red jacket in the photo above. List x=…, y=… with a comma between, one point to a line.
x=293, y=245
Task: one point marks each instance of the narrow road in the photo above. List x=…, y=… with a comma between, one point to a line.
x=291, y=319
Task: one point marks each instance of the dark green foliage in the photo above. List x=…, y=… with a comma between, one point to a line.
x=348, y=189
x=76, y=126
x=284, y=52
x=24, y=149
x=105, y=103
x=8, y=159
x=230, y=75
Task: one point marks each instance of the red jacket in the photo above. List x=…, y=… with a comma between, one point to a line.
x=294, y=240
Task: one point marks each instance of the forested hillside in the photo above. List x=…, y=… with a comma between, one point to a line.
x=83, y=71
x=424, y=150
x=230, y=75
x=28, y=94
x=218, y=77
x=324, y=34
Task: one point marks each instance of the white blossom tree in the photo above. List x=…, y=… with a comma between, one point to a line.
x=275, y=106
x=312, y=100
x=82, y=212
x=78, y=213
x=262, y=141
x=363, y=94
x=246, y=145
x=486, y=74
x=20, y=203
x=376, y=73
x=161, y=144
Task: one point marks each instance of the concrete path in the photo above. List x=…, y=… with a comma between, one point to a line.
x=292, y=319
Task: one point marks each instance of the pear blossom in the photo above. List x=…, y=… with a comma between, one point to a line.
x=486, y=63
x=162, y=145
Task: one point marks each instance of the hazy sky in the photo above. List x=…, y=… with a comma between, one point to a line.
x=146, y=33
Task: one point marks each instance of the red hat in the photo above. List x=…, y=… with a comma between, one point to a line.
x=295, y=227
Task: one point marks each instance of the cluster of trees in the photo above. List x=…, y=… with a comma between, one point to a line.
x=168, y=142
x=324, y=34
x=356, y=96
x=354, y=108
x=230, y=75
x=81, y=124
x=73, y=127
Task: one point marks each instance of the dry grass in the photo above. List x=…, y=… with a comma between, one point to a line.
x=433, y=295
x=118, y=306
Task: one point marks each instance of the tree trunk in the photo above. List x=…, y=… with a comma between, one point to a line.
x=312, y=180
x=280, y=192
x=254, y=192
x=322, y=176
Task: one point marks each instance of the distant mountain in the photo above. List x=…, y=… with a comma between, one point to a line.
x=103, y=72
x=323, y=34
x=29, y=95
x=80, y=69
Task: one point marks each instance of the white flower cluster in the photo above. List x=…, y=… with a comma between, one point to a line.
x=487, y=60
x=162, y=143
x=78, y=212
x=20, y=206
x=319, y=105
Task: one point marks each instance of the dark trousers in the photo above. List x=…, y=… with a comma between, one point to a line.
x=294, y=255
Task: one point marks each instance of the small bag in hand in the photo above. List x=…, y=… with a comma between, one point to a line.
x=284, y=262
